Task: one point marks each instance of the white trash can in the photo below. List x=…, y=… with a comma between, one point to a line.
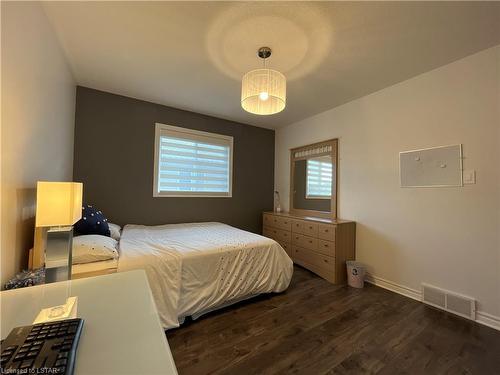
x=355, y=274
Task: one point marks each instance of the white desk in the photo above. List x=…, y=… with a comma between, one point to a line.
x=121, y=333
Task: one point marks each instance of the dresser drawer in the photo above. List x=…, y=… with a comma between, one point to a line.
x=310, y=229
x=326, y=232
x=298, y=226
x=279, y=222
x=267, y=220
x=278, y=235
x=305, y=227
x=287, y=247
x=305, y=241
x=326, y=273
x=326, y=247
x=311, y=257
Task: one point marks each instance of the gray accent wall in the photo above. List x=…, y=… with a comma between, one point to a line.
x=114, y=158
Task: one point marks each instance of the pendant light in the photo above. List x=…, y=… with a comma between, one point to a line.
x=263, y=91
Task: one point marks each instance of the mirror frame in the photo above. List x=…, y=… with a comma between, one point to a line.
x=294, y=156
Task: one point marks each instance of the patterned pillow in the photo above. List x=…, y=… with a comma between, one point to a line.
x=92, y=222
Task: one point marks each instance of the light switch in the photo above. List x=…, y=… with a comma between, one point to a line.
x=469, y=176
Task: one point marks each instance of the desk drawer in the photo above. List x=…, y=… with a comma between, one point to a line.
x=305, y=241
x=277, y=222
x=326, y=247
x=311, y=257
x=277, y=234
x=326, y=232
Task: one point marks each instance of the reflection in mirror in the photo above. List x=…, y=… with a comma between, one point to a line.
x=313, y=184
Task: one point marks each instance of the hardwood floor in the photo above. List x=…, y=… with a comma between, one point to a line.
x=319, y=328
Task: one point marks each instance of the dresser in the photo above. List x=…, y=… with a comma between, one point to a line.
x=320, y=245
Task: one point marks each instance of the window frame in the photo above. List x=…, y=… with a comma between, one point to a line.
x=159, y=130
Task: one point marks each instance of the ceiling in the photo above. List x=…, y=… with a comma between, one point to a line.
x=192, y=55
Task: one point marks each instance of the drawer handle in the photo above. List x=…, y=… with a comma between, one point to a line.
x=310, y=241
x=310, y=227
x=326, y=230
x=285, y=222
x=325, y=245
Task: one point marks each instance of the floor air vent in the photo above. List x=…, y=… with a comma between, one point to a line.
x=449, y=301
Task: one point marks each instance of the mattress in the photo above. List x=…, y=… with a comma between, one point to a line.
x=196, y=267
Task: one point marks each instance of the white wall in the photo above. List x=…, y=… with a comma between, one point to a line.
x=448, y=237
x=38, y=110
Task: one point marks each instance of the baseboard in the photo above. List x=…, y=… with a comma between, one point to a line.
x=393, y=287
x=482, y=317
x=489, y=320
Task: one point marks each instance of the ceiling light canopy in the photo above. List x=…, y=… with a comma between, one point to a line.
x=263, y=91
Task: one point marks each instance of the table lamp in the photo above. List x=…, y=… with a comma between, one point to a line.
x=58, y=207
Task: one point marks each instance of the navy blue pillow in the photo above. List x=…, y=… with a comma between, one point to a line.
x=92, y=222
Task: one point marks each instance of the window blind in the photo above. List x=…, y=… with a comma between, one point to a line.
x=193, y=163
x=319, y=179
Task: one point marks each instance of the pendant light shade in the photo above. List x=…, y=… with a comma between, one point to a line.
x=263, y=91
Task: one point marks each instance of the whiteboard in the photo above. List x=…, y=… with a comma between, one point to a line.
x=431, y=167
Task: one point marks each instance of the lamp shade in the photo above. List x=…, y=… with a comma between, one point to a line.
x=263, y=92
x=58, y=203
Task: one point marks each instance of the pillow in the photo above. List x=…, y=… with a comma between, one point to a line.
x=115, y=231
x=92, y=222
x=93, y=248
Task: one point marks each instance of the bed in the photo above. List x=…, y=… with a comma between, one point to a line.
x=198, y=267
x=79, y=271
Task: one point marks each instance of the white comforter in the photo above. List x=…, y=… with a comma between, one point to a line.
x=195, y=267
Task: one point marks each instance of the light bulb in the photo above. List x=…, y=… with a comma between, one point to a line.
x=263, y=96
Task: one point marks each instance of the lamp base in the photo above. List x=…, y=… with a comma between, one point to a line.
x=58, y=254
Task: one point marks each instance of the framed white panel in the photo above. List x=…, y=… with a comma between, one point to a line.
x=431, y=167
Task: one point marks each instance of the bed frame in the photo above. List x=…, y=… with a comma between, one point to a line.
x=82, y=275
x=36, y=257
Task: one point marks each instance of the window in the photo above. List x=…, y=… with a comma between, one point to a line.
x=191, y=163
x=319, y=178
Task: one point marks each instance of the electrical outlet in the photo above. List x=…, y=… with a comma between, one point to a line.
x=469, y=176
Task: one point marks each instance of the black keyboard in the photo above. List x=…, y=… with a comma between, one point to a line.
x=47, y=348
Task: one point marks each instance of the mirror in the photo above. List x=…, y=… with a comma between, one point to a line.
x=313, y=179
x=313, y=184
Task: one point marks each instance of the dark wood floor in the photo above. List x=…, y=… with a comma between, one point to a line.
x=319, y=328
